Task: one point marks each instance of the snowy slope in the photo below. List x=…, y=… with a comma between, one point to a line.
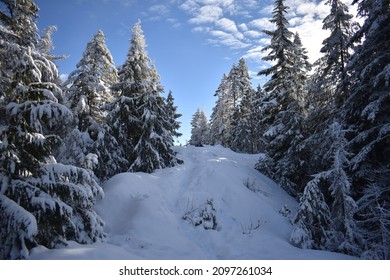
x=231, y=211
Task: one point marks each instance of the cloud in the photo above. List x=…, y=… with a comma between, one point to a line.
x=160, y=9
x=253, y=34
x=227, y=39
x=227, y=25
x=207, y=14
x=261, y=24
x=238, y=24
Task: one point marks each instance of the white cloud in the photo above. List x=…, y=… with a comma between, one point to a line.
x=227, y=39
x=237, y=25
x=253, y=34
x=243, y=27
x=160, y=9
x=201, y=29
x=207, y=14
x=227, y=25
x=261, y=24
x=189, y=6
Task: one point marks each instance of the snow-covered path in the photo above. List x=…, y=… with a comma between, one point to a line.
x=214, y=206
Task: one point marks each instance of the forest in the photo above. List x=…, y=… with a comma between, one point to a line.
x=323, y=129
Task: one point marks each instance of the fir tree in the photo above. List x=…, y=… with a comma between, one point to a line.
x=335, y=47
x=301, y=67
x=343, y=207
x=242, y=119
x=281, y=111
x=173, y=116
x=312, y=220
x=366, y=114
x=220, y=115
x=41, y=202
x=138, y=117
x=87, y=90
x=200, y=129
x=90, y=83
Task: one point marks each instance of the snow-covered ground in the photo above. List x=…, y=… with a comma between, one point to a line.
x=214, y=206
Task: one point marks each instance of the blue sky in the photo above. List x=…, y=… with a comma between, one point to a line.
x=191, y=42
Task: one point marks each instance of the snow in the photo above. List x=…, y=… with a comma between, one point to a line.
x=144, y=213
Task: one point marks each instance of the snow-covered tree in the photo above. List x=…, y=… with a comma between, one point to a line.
x=312, y=220
x=301, y=67
x=219, y=121
x=335, y=47
x=343, y=208
x=138, y=116
x=89, y=85
x=281, y=110
x=87, y=90
x=228, y=112
x=366, y=114
x=243, y=119
x=173, y=115
x=42, y=202
x=200, y=129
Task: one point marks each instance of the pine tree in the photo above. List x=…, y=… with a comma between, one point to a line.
x=326, y=86
x=366, y=114
x=173, y=116
x=138, y=117
x=200, y=129
x=87, y=90
x=335, y=47
x=343, y=207
x=300, y=70
x=41, y=202
x=220, y=115
x=281, y=111
x=312, y=220
x=89, y=85
x=242, y=119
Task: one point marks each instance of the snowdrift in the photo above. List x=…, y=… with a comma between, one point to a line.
x=214, y=206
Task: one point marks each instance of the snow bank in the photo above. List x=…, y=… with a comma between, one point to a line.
x=214, y=206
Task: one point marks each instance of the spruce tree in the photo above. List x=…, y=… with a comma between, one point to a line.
x=200, y=129
x=42, y=202
x=171, y=109
x=87, y=90
x=138, y=116
x=366, y=114
x=220, y=115
x=312, y=220
x=343, y=226
x=242, y=119
x=281, y=111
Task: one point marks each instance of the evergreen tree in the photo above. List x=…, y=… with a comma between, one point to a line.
x=335, y=47
x=41, y=202
x=242, y=119
x=200, y=129
x=220, y=115
x=138, y=117
x=89, y=85
x=343, y=207
x=366, y=114
x=301, y=67
x=312, y=220
x=173, y=116
x=326, y=86
x=87, y=90
x=281, y=111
